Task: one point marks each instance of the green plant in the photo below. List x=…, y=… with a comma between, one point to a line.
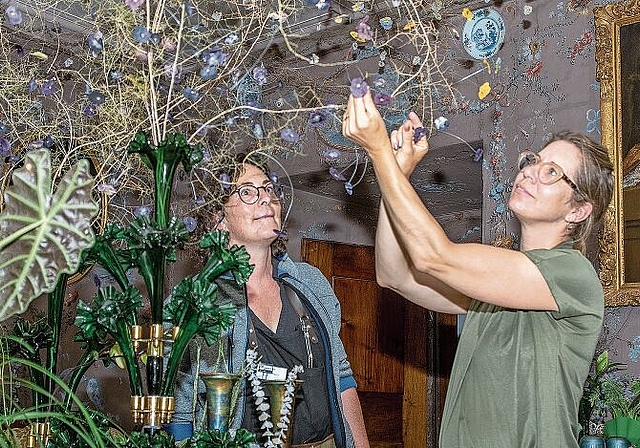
x=218, y=439
x=592, y=403
x=42, y=232
x=622, y=396
x=612, y=399
x=147, y=244
x=80, y=428
x=42, y=238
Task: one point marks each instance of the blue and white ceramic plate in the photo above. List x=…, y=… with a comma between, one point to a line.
x=483, y=35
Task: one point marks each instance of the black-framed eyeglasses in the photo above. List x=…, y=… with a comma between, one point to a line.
x=548, y=172
x=249, y=193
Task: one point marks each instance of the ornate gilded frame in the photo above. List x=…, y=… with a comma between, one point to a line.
x=608, y=21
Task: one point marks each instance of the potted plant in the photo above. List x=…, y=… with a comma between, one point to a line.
x=592, y=408
x=611, y=402
x=43, y=232
x=37, y=228
x=622, y=398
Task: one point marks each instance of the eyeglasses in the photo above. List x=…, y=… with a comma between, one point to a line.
x=548, y=172
x=249, y=194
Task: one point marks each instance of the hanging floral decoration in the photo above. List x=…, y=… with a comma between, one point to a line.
x=274, y=435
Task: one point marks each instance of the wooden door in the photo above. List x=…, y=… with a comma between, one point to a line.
x=401, y=354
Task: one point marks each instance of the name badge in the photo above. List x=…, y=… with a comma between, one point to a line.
x=266, y=372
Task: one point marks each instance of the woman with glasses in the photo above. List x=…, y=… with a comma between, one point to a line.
x=533, y=315
x=288, y=313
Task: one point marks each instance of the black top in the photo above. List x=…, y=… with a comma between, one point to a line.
x=286, y=348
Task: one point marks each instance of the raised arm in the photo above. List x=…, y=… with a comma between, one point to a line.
x=394, y=271
x=483, y=272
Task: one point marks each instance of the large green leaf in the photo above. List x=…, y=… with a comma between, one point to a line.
x=42, y=234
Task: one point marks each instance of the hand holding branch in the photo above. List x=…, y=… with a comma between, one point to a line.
x=363, y=124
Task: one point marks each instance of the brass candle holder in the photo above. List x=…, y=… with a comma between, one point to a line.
x=153, y=340
x=152, y=410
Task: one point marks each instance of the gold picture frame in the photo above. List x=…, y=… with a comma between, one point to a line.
x=617, y=28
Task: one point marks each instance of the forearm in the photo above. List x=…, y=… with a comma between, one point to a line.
x=391, y=262
x=414, y=229
x=395, y=272
x=353, y=414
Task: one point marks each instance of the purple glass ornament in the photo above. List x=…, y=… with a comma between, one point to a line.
x=208, y=72
x=49, y=87
x=89, y=110
x=225, y=181
x=13, y=15
x=317, y=117
x=289, y=135
x=215, y=57
x=5, y=147
x=331, y=154
x=47, y=142
x=95, y=43
x=231, y=39
x=190, y=223
x=141, y=34
x=107, y=189
x=258, y=132
x=142, y=210
x=363, y=29
x=260, y=75
x=348, y=188
x=189, y=9
x=382, y=99
x=323, y=5
x=134, y=4
x=96, y=97
x=358, y=87
x=190, y=94
x=155, y=39
x=336, y=174
x=418, y=133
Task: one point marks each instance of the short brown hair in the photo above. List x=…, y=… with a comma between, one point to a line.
x=222, y=182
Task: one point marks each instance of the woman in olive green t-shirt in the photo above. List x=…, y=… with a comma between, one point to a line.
x=533, y=315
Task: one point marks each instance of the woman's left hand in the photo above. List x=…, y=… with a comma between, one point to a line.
x=410, y=143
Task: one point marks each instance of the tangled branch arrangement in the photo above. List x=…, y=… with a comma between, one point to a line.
x=83, y=78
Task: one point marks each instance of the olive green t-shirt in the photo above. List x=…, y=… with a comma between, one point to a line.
x=518, y=375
